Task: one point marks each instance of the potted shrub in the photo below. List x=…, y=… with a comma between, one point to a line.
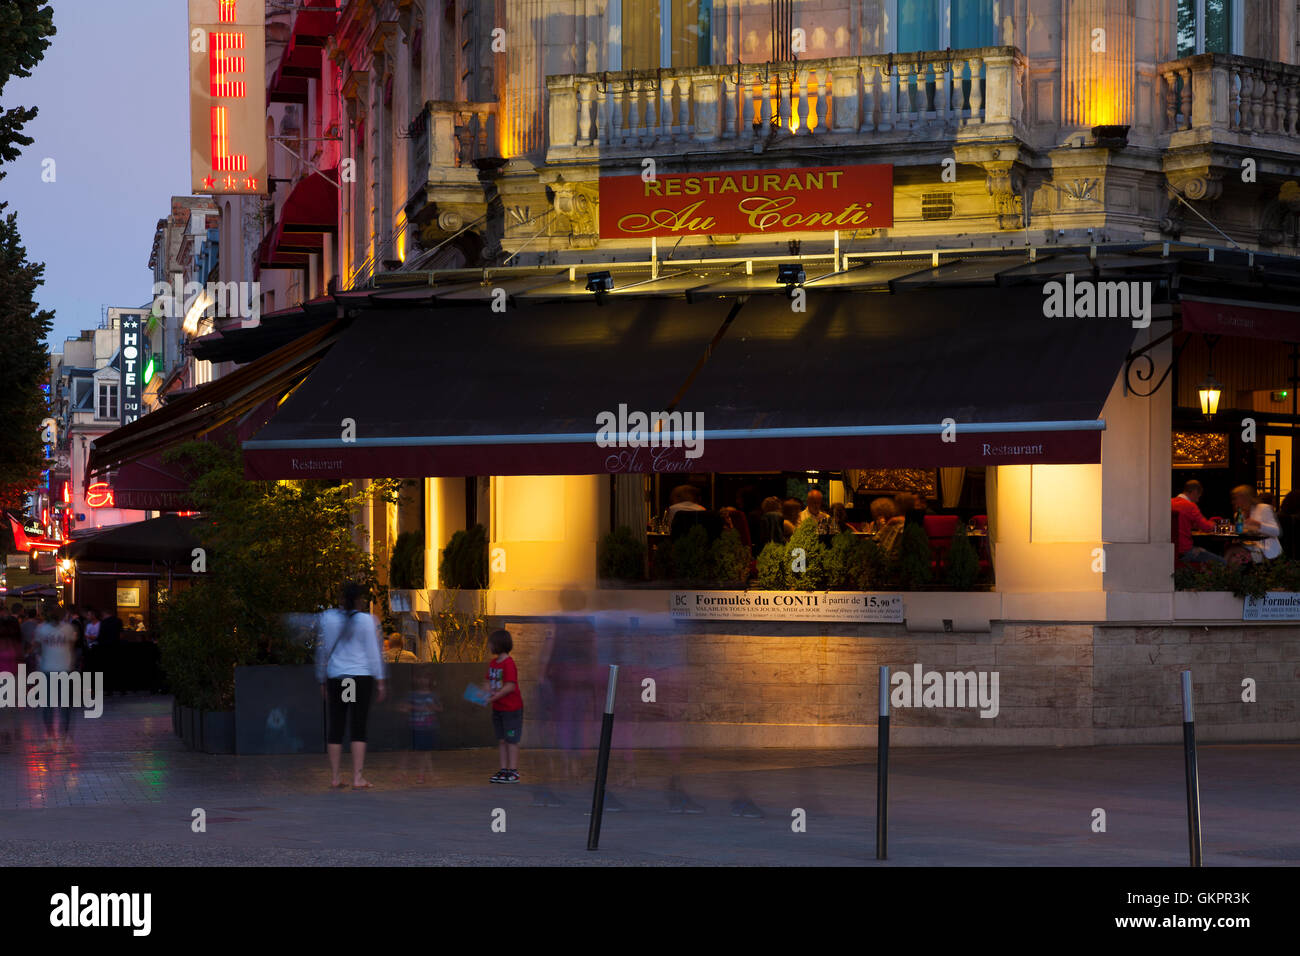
x=465, y=560
x=406, y=568
x=963, y=565
x=620, y=556
x=691, y=558
x=729, y=560
x=773, y=571
x=806, y=559
x=914, y=558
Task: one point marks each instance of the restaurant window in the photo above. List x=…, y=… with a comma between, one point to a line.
x=1209, y=26
x=653, y=34
x=763, y=507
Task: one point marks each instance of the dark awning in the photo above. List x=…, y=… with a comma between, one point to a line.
x=211, y=406
x=861, y=378
x=169, y=538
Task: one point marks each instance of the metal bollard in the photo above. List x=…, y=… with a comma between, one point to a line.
x=1193, y=779
x=882, y=770
x=602, y=762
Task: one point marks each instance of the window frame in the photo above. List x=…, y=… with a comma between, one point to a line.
x=101, y=400
x=1236, y=27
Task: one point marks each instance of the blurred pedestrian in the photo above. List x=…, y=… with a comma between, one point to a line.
x=350, y=668
x=56, y=643
x=11, y=655
x=424, y=707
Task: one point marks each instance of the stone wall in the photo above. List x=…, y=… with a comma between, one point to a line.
x=809, y=685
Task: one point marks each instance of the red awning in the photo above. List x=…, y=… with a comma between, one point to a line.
x=301, y=61
x=309, y=212
x=1278, y=323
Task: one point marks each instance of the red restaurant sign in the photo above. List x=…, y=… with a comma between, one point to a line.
x=803, y=199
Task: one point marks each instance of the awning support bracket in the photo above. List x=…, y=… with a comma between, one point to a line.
x=708, y=351
x=1146, y=372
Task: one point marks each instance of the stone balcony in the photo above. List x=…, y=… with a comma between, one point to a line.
x=1219, y=110
x=938, y=98
x=447, y=142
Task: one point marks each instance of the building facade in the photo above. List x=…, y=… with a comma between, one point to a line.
x=831, y=228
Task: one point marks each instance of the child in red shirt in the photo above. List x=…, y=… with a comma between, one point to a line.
x=507, y=705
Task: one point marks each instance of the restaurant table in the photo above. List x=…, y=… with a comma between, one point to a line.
x=1219, y=541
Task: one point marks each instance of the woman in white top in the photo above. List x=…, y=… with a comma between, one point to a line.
x=349, y=664
x=1258, y=516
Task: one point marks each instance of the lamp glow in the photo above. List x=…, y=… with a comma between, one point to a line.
x=1209, y=392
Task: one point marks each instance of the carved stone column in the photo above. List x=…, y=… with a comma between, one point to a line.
x=1005, y=182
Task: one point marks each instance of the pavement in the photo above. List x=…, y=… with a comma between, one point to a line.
x=124, y=791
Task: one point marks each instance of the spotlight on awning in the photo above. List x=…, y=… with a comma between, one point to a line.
x=600, y=282
x=790, y=274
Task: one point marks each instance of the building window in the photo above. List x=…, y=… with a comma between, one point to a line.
x=653, y=34
x=106, y=406
x=1210, y=26
x=925, y=25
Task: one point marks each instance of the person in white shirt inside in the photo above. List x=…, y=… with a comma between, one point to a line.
x=349, y=665
x=1258, y=517
x=815, y=512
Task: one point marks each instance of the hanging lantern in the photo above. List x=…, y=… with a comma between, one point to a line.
x=1209, y=392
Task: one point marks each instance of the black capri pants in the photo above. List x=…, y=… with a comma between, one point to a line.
x=352, y=713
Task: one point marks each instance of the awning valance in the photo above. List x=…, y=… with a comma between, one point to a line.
x=863, y=378
x=1274, y=321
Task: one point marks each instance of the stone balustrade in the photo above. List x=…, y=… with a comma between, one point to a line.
x=1230, y=94
x=912, y=96
x=448, y=135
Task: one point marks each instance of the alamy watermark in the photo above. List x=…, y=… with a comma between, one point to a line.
x=1086, y=299
x=232, y=300
x=83, y=690
x=624, y=429
x=949, y=689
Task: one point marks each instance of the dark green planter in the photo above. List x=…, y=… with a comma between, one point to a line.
x=279, y=709
x=216, y=731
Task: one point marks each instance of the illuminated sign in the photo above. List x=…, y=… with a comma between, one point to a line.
x=129, y=371
x=228, y=96
x=99, y=495
x=800, y=199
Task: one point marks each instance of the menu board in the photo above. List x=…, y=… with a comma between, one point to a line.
x=1273, y=606
x=788, y=606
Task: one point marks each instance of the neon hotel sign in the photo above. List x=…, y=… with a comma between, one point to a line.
x=228, y=96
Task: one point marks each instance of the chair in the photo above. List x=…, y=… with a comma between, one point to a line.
x=940, y=529
x=1174, y=516
x=980, y=522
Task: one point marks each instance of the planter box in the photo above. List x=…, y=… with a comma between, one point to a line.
x=461, y=724
x=1207, y=606
x=176, y=718
x=278, y=710
x=217, y=731
x=187, y=727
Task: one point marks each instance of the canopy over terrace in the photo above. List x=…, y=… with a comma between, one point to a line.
x=459, y=389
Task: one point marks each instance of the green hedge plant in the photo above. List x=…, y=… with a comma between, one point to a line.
x=406, y=568
x=464, y=562
x=620, y=556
